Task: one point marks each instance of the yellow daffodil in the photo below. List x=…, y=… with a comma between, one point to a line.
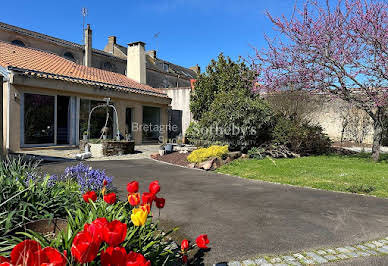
x=139, y=216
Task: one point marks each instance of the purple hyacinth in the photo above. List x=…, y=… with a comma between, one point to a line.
x=86, y=177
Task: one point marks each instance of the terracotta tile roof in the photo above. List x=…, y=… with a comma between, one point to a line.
x=47, y=65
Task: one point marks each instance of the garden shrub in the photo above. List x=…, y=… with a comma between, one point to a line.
x=303, y=138
x=202, y=154
x=242, y=121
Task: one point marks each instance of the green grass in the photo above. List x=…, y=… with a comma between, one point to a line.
x=329, y=172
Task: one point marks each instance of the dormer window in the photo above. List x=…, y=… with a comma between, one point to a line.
x=69, y=56
x=18, y=43
x=165, y=67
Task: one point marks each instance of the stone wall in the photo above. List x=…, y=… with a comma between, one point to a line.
x=342, y=121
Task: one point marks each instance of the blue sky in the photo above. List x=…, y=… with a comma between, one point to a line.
x=190, y=31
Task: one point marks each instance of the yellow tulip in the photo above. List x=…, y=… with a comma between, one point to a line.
x=139, y=217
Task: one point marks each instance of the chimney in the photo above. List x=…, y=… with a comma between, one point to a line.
x=196, y=69
x=152, y=53
x=136, y=62
x=88, y=46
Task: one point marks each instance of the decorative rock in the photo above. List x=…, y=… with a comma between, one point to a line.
x=206, y=165
x=234, y=154
x=191, y=165
x=243, y=156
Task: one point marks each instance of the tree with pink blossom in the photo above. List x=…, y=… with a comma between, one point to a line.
x=339, y=50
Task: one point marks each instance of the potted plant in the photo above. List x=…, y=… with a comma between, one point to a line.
x=161, y=150
x=85, y=136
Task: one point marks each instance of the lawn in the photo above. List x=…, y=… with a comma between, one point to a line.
x=330, y=172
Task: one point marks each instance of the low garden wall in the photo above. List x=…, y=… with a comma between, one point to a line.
x=110, y=148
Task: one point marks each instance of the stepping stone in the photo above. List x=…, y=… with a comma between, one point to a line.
x=372, y=252
x=378, y=244
x=331, y=251
x=288, y=258
x=383, y=250
x=316, y=257
x=321, y=252
x=275, y=260
x=299, y=256
x=363, y=254
x=248, y=263
x=352, y=254
x=330, y=257
x=362, y=247
x=342, y=256
x=260, y=261
x=342, y=250
x=370, y=245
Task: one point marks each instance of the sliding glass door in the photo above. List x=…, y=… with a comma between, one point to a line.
x=48, y=120
x=39, y=119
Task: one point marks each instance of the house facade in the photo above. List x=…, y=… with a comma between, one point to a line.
x=49, y=86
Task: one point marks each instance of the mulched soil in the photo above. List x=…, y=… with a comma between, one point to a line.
x=174, y=158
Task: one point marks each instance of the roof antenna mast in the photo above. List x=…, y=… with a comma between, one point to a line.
x=84, y=12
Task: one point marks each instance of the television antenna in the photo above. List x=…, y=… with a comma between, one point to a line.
x=84, y=13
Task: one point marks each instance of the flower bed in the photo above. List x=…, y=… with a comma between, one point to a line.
x=103, y=231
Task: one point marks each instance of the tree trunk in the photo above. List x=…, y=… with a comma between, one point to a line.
x=377, y=138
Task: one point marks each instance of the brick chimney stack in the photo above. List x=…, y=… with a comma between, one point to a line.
x=88, y=46
x=136, y=62
x=196, y=69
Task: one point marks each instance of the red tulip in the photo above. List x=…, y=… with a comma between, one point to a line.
x=113, y=256
x=51, y=257
x=134, y=199
x=95, y=228
x=184, y=259
x=105, y=183
x=202, y=241
x=4, y=259
x=110, y=198
x=146, y=207
x=154, y=187
x=137, y=259
x=90, y=195
x=133, y=187
x=184, y=245
x=160, y=202
x=147, y=197
x=24, y=253
x=114, y=233
x=84, y=249
x=5, y=264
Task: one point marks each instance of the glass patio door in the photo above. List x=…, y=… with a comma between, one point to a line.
x=39, y=119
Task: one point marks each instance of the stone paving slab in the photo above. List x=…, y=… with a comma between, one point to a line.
x=316, y=257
